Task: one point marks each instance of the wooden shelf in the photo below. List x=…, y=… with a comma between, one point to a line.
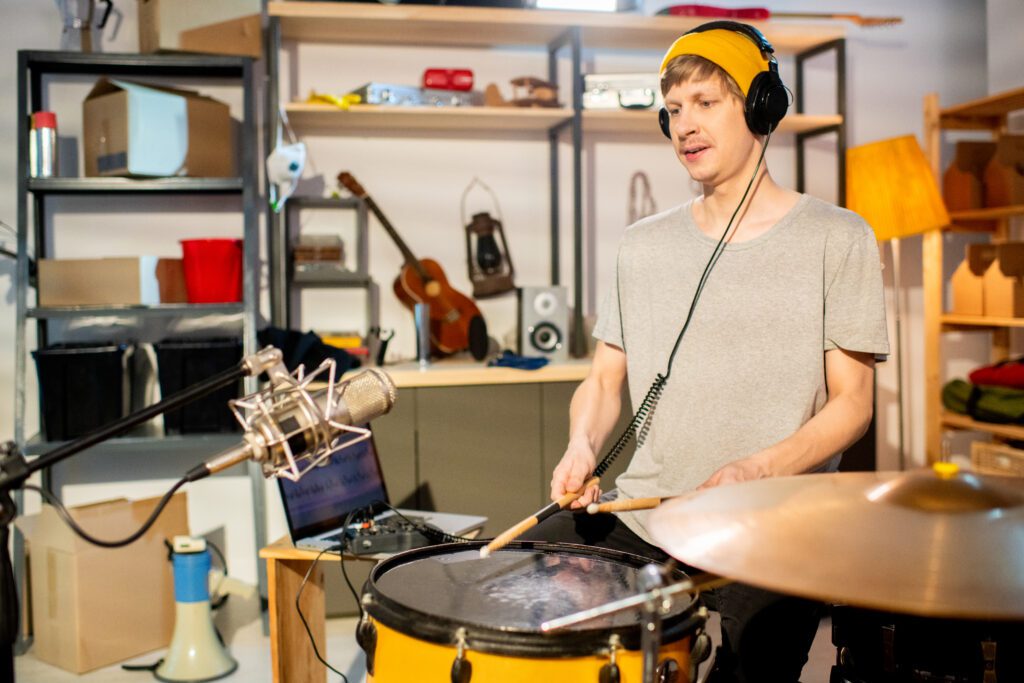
x=463, y=373
x=989, y=214
x=157, y=311
x=489, y=27
x=646, y=121
x=987, y=113
x=451, y=119
x=958, y=421
x=955, y=320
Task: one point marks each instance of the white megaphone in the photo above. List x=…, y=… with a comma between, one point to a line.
x=196, y=653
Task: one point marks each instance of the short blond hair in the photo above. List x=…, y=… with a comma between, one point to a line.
x=686, y=68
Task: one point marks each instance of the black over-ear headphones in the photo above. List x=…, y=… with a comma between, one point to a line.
x=767, y=99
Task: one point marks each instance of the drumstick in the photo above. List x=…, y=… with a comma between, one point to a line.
x=509, y=535
x=624, y=504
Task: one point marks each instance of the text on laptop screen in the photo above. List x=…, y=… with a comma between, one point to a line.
x=322, y=498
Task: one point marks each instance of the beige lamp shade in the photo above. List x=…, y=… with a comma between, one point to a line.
x=891, y=185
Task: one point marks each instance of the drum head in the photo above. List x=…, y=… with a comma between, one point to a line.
x=502, y=600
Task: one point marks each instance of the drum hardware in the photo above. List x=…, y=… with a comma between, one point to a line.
x=366, y=637
x=610, y=672
x=651, y=579
x=706, y=582
x=462, y=668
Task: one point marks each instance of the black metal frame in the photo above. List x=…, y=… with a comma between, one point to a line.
x=33, y=67
x=839, y=47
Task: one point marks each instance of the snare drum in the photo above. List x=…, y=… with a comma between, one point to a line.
x=444, y=614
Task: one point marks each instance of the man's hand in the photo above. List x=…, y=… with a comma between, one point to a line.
x=744, y=469
x=575, y=468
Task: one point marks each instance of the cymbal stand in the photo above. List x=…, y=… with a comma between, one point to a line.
x=651, y=579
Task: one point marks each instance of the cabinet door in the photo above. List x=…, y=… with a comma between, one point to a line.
x=480, y=450
x=395, y=436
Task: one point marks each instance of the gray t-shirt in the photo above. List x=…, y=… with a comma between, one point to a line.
x=750, y=369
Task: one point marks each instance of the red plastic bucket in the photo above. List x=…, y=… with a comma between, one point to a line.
x=213, y=270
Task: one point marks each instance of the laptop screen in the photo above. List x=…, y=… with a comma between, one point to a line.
x=322, y=499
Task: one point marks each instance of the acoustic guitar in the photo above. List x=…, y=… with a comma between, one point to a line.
x=455, y=321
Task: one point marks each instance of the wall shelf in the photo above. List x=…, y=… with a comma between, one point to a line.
x=490, y=27
x=1004, y=431
x=132, y=185
x=160, y=311
x=954, y=320
x=646, y=121
x=986, y=113
x=202, y=445
x=401, y=118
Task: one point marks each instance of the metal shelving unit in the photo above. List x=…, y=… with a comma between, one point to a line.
x=286, y=277
x=559, y=33
x=33, y=208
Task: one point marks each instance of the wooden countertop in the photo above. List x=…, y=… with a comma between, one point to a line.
x=455, y=373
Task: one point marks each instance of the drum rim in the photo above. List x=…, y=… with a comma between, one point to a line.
x=416, y=623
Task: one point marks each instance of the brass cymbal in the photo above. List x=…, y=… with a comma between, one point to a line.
x=929, y=542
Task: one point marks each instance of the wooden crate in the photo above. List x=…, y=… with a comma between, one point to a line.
x=997, y=458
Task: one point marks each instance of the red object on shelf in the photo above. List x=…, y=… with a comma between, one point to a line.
x=213, y=270
x=448, y=79
x=711, y=11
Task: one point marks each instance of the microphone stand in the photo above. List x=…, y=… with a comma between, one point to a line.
x=15, y=471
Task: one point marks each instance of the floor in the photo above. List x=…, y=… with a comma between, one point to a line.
x=240, y=624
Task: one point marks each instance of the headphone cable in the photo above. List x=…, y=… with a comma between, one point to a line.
x=641, y=420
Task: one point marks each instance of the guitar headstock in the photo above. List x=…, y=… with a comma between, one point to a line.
x=349, y=182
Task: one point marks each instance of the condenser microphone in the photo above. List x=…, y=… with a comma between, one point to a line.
x=290, y=429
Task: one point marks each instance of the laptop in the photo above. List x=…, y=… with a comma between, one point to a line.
x=317, y=505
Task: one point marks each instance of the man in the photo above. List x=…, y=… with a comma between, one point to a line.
x=773, y=373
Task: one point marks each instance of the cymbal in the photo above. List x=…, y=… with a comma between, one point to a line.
x=931, y=542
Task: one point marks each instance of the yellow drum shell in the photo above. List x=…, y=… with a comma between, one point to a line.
x=401, y=659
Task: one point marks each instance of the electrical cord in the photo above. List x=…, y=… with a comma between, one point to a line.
x=224, y=565
x=641, y=420
x=85, y=535
x=302, y=617
x=432, y=533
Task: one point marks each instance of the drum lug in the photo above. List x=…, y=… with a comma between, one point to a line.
x=667, y=672
x=988, y=653
x=462, y=668
x=366, y=637
x=610, y=672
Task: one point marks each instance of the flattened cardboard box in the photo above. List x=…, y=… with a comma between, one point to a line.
x=91, y=606
x=230, y=27
x=130, y=129
x=968, y=281
x=126, y=281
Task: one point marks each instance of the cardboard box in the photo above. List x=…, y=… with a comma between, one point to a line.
x=963, y=182
x=91, y=606
x=967, y=283
x=1004, y=174
x=137, y=130
x=1004, y=282
x=128, y=281
x=241, y=36
x=163, y=25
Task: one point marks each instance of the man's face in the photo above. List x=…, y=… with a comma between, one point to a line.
x=709, y=133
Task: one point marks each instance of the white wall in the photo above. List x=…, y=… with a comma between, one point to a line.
x=418, y=180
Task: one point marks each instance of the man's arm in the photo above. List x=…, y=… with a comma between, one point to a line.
x=593, y=412
x=844, y=418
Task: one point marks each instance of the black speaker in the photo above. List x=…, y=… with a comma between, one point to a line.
x=543, y=322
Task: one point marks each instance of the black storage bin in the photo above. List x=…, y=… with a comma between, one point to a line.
x=183, y=363
x=82, y=387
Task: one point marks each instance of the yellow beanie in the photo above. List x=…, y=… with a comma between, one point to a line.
x=734, y=52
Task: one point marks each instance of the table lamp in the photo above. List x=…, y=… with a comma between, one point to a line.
x=891, y=185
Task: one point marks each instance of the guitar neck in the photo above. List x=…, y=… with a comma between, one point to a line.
x=410, y=259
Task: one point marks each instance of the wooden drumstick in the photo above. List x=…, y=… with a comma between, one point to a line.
x=509, y=535
x=624, y=504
